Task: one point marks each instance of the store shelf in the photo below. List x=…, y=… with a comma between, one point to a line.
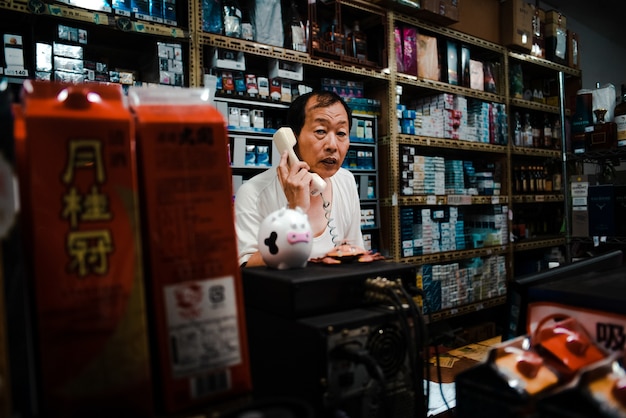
x=465, y=309
x=539, y=242
x=439, y=200
x=103, y=18
x=451, y=144
x=449, y=256
x=537, y=198
x=544, y=63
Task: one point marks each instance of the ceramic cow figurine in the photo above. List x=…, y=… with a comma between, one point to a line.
x=286, y=239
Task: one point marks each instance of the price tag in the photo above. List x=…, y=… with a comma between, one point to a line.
x=431, y=200
x=18, y=72
x=459, y=199
x=495, y=200
x=540, y=198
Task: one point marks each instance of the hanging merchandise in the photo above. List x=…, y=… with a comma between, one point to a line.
x=296, y=33
x=231, y=13
x=211, y=16
x=268, y=22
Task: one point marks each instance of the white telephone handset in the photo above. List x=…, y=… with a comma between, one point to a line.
x=285, y=140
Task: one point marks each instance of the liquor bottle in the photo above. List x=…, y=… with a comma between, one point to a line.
x=524, y=177
x=537, y=132
x=556, y=133
x=231, y=14
x=547, y=179
x=527, y=132
x=356, y=43
x=314, y=33
x=334, y=39
x=619, y=116
x=296, y=33
x=547, y=133
x=517, y=131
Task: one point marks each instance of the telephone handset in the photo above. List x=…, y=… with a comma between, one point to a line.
x=285, y=140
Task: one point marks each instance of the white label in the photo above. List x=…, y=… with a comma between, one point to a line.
x=203, y=326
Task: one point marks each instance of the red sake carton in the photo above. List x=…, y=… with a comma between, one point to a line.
x=191, y=250
x=79, y=211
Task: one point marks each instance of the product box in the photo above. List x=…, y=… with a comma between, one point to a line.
x=228, y=60
x=601, y=210
x=427, y=57
x=286, y=69
x=620, y=209
x=450, y=72
x=190, y=251
x=78, y=193
x=443, y=12
x=579, y=192
x=516, y=24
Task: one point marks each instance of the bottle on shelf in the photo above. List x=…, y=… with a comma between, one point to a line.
x=547, y=179
x=356, y=43
x=334, y=39
x=556, y=133
x=232, y=15
x=619, y=116
x=517, y=130
x=296, y=32
x=527, y=132
x=547, y=133
x=517, y=179
x=315, y=35
x=537, y=132
x=524, y=177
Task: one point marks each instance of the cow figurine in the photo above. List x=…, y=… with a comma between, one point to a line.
x=286, y=239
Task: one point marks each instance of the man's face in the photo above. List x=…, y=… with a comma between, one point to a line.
x=325, y=137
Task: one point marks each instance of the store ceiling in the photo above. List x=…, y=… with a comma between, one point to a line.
x=605, y=17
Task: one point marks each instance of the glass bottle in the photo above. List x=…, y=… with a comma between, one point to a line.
x=527, y=131
x=334, y=39
x=296, y=33
x=547, y=180
x=556, y=133
x=547, y=133
x=619, y=116
x=517, y=131
x=536, y=132
x=231, y=15
x=314, y=33
x=524, y=177
x=357, y=43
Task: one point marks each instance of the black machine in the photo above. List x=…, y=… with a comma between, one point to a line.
x=325, y=334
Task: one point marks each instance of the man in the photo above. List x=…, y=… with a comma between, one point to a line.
x=321, y=122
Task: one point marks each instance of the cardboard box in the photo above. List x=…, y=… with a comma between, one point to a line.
x=516, y=24
x=190, y=248
x=286, y=69
x=427, y=57
x=229, y=60
x=601, y=210
x=579, y=191
x=443, y=12
x=79, y=204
